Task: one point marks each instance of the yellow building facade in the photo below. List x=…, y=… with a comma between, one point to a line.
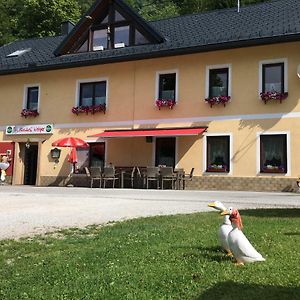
x=246, y=123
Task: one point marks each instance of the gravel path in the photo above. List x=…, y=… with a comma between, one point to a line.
x=25, y=210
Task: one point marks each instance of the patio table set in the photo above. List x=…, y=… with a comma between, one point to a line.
x=138, y=177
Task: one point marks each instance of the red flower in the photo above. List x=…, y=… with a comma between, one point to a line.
x=29, y=113
x=218, y=100
x=273, y=95
x=165, y=103
x=89, y=109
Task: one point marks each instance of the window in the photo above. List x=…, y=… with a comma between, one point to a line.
x=122, y=35
x=18, y=52
x=273, y=78
x=32, y=98
x=273, y=153
x=218, y=82
x=112, y=30
x=100, y=39
x=167, y=87
x=92, y=93
x=218, y=159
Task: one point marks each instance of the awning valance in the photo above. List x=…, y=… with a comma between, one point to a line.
x=151, y=132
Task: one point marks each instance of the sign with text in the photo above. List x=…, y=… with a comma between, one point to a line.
x=30, y=129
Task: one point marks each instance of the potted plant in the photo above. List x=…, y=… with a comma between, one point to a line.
x=218, y=100
x=273, y=169
x=165, y=103
x=273, y=95
x=29, y=113
x=89, y=109
x=217, y=168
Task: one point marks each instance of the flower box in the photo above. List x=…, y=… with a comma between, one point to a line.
x=273, y=169
x=29, y=113
x=218, y=100
x=165, y=103
x=217, y=169
x=89, y=109
x=273, y=95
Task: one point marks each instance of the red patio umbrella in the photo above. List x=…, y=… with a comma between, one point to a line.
x=73, y=157
x=74, y=143
x=70, y=142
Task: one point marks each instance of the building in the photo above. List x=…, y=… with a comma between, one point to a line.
x=217, y=91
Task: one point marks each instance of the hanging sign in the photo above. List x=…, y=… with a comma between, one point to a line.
x=29, y=129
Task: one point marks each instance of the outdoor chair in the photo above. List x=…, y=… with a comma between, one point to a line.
x=95, y=174
x=130, y=177
x=168, y=175
x=152, y=174
x=109, y=174
x=187, y=177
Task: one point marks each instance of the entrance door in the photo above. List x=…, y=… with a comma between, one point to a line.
x=165, y=151
x=30, y=164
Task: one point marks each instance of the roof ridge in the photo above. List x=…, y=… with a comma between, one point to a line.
x=217, y=10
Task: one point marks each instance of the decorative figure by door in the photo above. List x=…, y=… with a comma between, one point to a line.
x=4, y=165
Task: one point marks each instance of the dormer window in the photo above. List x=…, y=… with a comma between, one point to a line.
x=109, y=24
x=113, y=30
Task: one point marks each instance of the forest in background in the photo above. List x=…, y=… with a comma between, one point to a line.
x=22, y=19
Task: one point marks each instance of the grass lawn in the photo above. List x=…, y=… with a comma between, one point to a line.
x=173, y=257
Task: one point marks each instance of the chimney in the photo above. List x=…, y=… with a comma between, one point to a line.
x=66, y=27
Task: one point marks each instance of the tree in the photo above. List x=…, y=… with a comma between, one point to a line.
x=8, y=18
x=43, y=17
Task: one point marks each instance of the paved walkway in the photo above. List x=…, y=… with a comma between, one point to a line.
x=26, y=210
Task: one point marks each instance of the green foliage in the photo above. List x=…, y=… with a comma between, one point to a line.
x=43, y=17
x=172, y=257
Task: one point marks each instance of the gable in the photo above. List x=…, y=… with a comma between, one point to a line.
x=109, y=24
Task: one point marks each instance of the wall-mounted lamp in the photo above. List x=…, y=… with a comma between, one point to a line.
x=298, y=71
x=55, y=154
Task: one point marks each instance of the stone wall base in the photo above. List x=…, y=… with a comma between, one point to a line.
x=257, y=184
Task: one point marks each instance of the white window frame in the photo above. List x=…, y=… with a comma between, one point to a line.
x=154, y=149
x=288, y=152
x=176, y=71
x=230, y=153
x=25, y=94
x=91, y=80
x=273, y=61
x=214, y=67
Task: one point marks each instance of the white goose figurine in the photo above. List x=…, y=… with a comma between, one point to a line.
x=225, y=228
x=240, y=246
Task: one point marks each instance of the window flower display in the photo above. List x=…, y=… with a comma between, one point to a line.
x=273, y=95
x=273, y=169
x=165, y=103
x=29, y=113
x=217, y=168
x=218, y=100
x=89, y=109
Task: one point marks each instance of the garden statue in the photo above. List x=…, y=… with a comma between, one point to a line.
x=4, y=165
x=239, y=245
x=225, y=228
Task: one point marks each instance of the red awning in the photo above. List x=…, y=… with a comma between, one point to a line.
x=150, y=132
